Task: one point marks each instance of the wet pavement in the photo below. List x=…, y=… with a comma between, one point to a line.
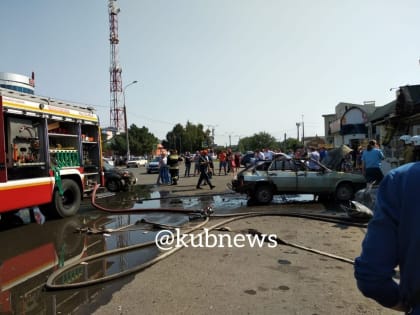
x=34, y=251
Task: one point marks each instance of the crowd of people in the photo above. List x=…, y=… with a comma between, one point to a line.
x=169, y=165
x=201, y=164
x=367, y=161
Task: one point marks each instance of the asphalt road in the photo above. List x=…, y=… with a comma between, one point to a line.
x=250, y=279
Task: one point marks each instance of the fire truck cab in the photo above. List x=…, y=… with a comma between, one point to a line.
x=50, y=153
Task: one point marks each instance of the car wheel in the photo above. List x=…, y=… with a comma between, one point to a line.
x=344, y=192
x=113, y=185
x=264, y=194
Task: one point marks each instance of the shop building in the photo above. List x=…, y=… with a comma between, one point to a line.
x=18, y=82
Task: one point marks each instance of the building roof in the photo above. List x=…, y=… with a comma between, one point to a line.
x=383, y=112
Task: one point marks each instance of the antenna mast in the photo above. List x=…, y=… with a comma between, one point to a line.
x=117, y=119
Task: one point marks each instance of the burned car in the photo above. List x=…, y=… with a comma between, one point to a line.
x=285, y=175
x=117, y=179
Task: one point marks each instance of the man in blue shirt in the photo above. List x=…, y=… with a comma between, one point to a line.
x=393, y=240
x=371, y=162
x=313, y=159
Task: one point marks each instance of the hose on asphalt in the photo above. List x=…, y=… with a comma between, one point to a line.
x=51, y=285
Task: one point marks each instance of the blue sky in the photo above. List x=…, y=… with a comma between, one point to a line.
x=241, y=66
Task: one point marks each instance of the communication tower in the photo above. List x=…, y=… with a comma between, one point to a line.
x=117, y=118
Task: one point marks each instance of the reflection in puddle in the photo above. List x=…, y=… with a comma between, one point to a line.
x=144, y=197
x=107, y=266
x=293, y=198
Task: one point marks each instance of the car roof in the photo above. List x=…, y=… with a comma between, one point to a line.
x=281, y=154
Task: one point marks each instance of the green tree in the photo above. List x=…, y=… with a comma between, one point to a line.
x=141, y=142
x=191, y=138
x=258, y=141
x=174, y=138
x=290, y=144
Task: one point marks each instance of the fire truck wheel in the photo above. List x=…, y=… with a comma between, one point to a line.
x=68, y=204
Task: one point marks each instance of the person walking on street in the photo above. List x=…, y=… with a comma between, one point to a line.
x=371, y=163
x=204, y=165
x=196, y=163
x=231, y=164
x=392, y=241
x=188, y=161
x=222, y=161
x=163, y=176
x=229, y=158
x=210, y=171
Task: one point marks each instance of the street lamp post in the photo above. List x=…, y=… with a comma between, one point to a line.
x=303, y=132
x=125, y=120
x=297, y=125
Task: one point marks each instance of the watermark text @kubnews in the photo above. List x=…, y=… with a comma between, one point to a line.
x=168, y=239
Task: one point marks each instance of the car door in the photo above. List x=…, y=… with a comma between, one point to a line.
x=311, y=181
x=282, y=174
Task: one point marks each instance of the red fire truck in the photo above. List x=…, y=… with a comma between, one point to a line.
x=50, y=153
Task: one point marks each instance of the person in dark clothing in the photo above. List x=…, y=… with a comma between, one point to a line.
x=229, y=158
x=173, y=163
x=188, y=160
x=204, y=165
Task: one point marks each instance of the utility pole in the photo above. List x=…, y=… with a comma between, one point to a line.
x=284, y=147
x=303, y=132
x=298, y=125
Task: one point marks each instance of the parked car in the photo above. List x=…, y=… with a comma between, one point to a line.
x=248, y=159
x=153, y=166
x=285, y=175
x=117, y=179
x=136, y=161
